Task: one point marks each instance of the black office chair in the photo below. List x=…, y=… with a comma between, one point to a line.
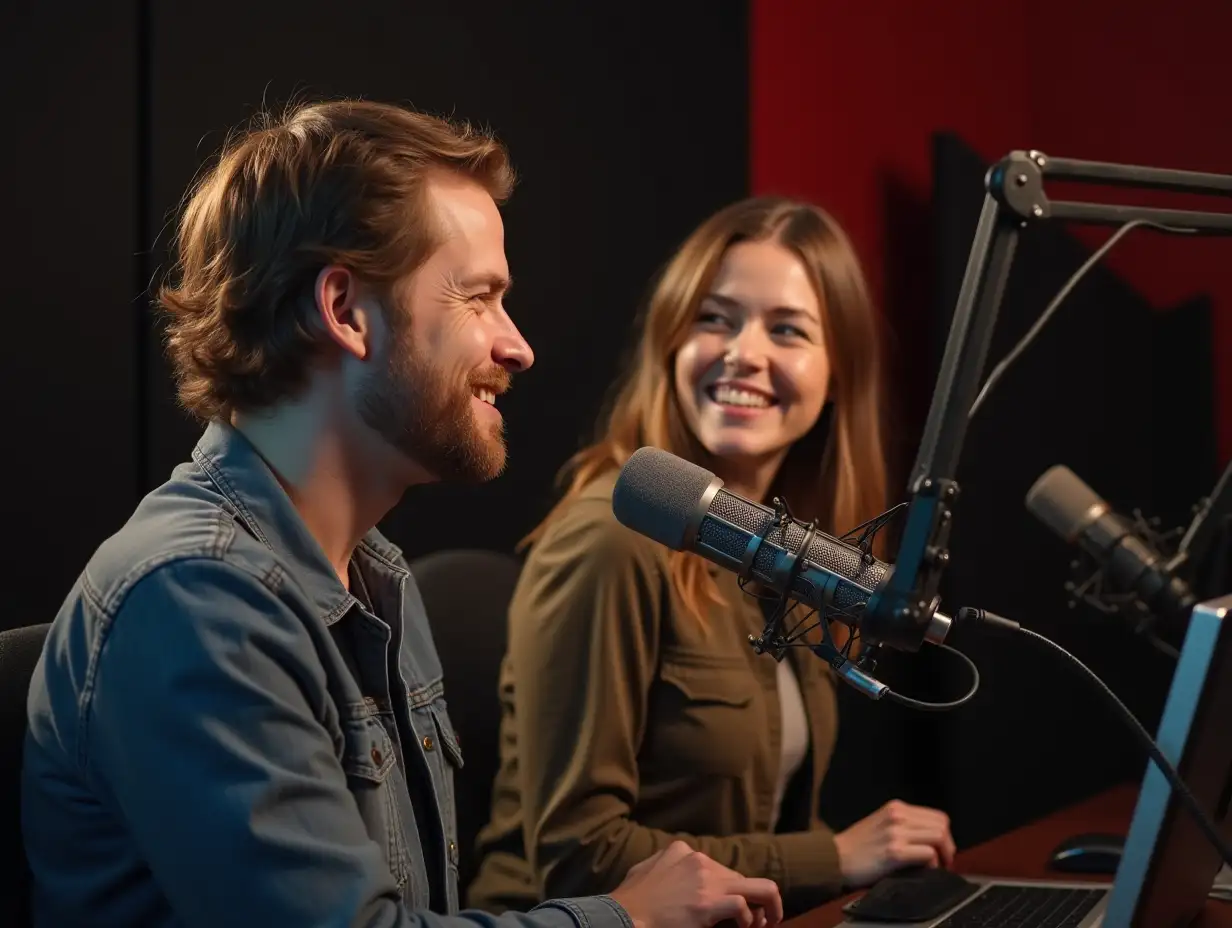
x=467, y=595
x=19, y=652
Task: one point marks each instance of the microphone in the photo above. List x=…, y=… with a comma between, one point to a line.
x=684, y=507
x=1127, y=559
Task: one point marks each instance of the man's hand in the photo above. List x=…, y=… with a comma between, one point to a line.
x=895, y=836
x=682, y=888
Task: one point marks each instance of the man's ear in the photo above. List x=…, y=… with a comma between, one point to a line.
x=345, y=316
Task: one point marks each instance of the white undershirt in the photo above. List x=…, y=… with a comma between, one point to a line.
x=795, y=732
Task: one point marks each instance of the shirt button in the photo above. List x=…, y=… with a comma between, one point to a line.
x=376, y=756
x=428, y=743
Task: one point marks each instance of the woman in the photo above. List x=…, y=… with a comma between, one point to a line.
x=635, y=710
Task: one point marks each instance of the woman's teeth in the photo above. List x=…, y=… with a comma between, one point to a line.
x=730, y=396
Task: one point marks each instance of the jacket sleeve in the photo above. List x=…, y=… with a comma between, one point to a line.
x=584, y=631
x=199, y=732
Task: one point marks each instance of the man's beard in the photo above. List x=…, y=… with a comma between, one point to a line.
x=415, y=406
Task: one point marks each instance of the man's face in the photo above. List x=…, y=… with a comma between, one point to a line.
x=450, y=348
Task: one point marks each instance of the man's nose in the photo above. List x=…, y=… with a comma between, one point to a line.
x=510, y=350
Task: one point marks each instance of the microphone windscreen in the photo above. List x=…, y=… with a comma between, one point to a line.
x=1063, y=502
x=658, y=493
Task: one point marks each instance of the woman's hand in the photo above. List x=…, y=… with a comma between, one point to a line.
x=895, y=836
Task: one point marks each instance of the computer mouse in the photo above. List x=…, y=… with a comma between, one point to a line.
x=1088, y=853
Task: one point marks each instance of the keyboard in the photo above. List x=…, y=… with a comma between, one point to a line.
x=1026, y=907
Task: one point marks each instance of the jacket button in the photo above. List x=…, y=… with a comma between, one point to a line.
x=376, y=756
x=453, y=852
x=428, y=743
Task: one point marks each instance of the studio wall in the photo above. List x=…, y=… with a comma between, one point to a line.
x=71, y=368
x=626, y=130
x=845, y=99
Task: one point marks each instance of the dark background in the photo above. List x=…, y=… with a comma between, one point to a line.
x=629, y=124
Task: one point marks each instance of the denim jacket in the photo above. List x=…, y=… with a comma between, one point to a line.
x=221, y=734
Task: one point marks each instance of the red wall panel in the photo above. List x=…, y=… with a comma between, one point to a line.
x=845, y=97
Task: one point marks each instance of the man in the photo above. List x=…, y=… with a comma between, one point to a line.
x=238, y=718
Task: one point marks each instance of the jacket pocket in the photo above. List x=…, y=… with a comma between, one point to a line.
x=371, y=768
x=721, y=683
x=450, y=743
x=369, y=751
x=705, y=716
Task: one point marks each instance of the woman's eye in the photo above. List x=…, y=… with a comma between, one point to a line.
x=792, y=331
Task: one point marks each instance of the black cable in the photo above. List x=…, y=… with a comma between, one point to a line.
x=1163, y=647
x=1050, y=310
x=968, y=614
x=941, y=706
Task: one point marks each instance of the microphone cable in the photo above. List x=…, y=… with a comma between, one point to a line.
x=1209, y=831
x=1002, y=366
x=922, y=706
x=839, y=657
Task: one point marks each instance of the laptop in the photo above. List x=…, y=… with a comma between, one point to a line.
x=1167, y=868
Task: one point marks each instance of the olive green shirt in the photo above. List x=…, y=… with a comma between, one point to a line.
x=627, y=723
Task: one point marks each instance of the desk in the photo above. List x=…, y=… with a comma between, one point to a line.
x=1023, y=853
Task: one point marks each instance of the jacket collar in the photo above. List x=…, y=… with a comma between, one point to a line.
x=230, y=461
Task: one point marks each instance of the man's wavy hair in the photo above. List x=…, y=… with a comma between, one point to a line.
x=326, y=183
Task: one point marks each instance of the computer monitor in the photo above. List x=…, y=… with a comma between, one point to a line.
x=1168, y=865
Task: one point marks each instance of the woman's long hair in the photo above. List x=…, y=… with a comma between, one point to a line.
x=837, y=472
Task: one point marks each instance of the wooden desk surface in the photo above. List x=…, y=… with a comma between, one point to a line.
x=1024, y=852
